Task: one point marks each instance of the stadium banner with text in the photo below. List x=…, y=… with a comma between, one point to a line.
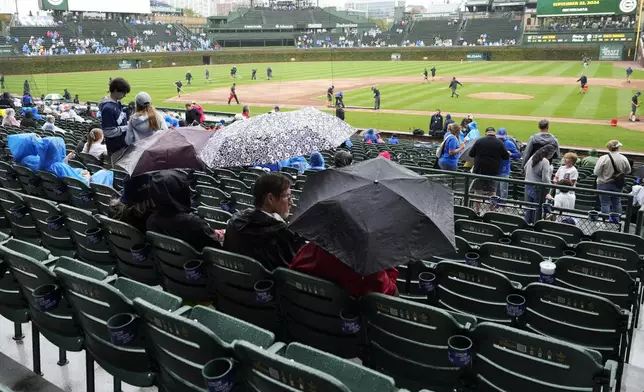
x=611, y=52
x=476, y=56
x=56, y=5
x=577, y=38
x=126, y=64
x=547, y=8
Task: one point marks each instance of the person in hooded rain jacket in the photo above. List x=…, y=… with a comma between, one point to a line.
x=448, y=120
x=145, y=121
x=316, y=161
x=371, y=135
x=261, y=232
x=169, y=191
x=51, y=151
x=299, y=163
x=24, y=148
x=313, y=260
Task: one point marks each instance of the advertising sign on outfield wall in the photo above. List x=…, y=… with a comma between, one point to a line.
x=126, y=64
x=585, y=7
x=58, y=5
x=578, y=38
x=611, y=52
x=477, y=56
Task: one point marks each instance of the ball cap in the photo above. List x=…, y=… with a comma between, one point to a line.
x=502, y=133
x=143, y=99
x=639, y=93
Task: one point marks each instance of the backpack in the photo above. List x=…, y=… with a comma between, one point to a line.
x=418, y=132
x=619, y=179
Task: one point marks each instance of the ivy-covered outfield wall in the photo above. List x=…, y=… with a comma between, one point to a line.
x=55, y=64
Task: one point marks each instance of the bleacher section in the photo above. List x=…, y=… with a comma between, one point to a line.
x=496, y=29
x=431, y=30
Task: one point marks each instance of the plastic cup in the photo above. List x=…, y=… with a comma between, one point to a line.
x=459, y=350
x=547, y=270
x=264, y=291
x=426, y=282
x=219, y=375
x=46, y=297
x=515, y=305
x=123, y=328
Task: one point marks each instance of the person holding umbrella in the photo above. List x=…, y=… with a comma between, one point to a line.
x=261, y=232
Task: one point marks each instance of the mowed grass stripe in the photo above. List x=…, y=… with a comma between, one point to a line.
x=588, y=104
x=391, y=95
x=568, y=107
x=608, y=102
x=560, y=69
x=553, y=102
x=509, y=69
x=418, y=100
x=530, y=68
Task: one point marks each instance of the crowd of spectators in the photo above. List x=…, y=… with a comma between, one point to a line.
x=587, y=23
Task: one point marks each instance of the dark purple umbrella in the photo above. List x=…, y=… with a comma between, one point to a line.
x=171, y=149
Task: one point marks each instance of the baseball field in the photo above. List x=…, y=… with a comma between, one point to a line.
x=513, y=95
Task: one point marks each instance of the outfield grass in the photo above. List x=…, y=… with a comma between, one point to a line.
x=549, y=101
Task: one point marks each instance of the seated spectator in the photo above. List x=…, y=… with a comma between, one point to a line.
x=393, y=140
x=342, y=158
x=316, y=161
x=564, y=198
x=170, y=120
x=172, y=216
x=385, y=154
x=371, y=136
x=192, y=115
x=76, y=100
x=27, y=101
x=24, y=149
x=313, y=260
x=28, y=121
x=134, y=207
x=10, y=118
x=591, y=159
x=299, y=163
x=51, y=151
x=246, y=112
x=145, y=121
x=50, y=126
x=94, y=145
x=261, y=232
x=6, y=101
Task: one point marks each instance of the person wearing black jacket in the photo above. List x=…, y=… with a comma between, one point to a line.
x=583, y=80
x=261, y=232
x=488, y=152
x=28, y=121
x=170, y=193
x=436, y=123
x=448, y=120
x=6, y=101
x=192, y=115
x=339, y=111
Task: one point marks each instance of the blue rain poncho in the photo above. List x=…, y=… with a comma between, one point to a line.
x=24, y=148
x=52, y=159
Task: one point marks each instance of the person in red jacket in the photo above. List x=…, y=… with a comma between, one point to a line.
x=202, y=116
x=313, y=260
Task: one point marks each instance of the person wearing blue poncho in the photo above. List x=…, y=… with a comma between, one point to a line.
x=371, y=135
x=51, y=151
x=24, y=148
x=316, y=161
x=299, y=163
x=473, y=133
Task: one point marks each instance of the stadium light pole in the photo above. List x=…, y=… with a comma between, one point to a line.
x=639, y=29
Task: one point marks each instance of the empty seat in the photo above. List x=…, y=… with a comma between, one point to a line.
x=477, y=232
x=462, y=212
x=103, y=196
x=133, y=254
x=80, y=194
x=29, y=180
x=570, y=233
x=618, y=256
x=620, y=239
x=311, y=308
x=209, y=196
x=9, y=177
x=171, y=255
x=216, y=218
x=234, y=278
x=508, y=359
x=471, y=290
x=517, y=263
x=508, y=223
x=183, y=343
x=54, y=187
x=548, y=245
x=19, y=216
x=54, y=235
x=407, y=341
x=95, y=301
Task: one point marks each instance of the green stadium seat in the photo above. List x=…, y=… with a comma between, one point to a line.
x=210, y=197
x=182, y=343
x=229, y=185
x=171, y=254
x=133, y=254
x=462, y=212
x=618, y=256
x=216, y=218
x=472, y=290
x=104, y=195
x=55, y=189
x=220, y=174
x=79, y=221
x=517, y=263
x=244, y=200
x=508, y=223
x=570, y=233
x=626, y=240
x=548, y=245
x=31, y=183
x=407, y=341
x=206, y=180
x=80, y=195
x=9, y=177
x=53, y=235
x=95, y=300
x=508, y=359
x=234, y=278
x=22, y=223
x=119, y=177
x=477, y=233
x=311, y=308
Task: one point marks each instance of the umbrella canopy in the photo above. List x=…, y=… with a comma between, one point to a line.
x=375, y=215
x=465, y=155
x=270, y=138
x=171, y=149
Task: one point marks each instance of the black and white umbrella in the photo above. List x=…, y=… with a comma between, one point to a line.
x=273, y=137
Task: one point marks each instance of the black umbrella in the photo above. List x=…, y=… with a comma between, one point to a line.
x=376, y=215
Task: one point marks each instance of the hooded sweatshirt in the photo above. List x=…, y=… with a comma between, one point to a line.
x=139, y=128
x=113, y=124
x=255, y=233
x=448, y=120
x=537, y=141
x=51, y=151
x=170, y=192
x=590, y=160
x=316, y=161
x=370, y=135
